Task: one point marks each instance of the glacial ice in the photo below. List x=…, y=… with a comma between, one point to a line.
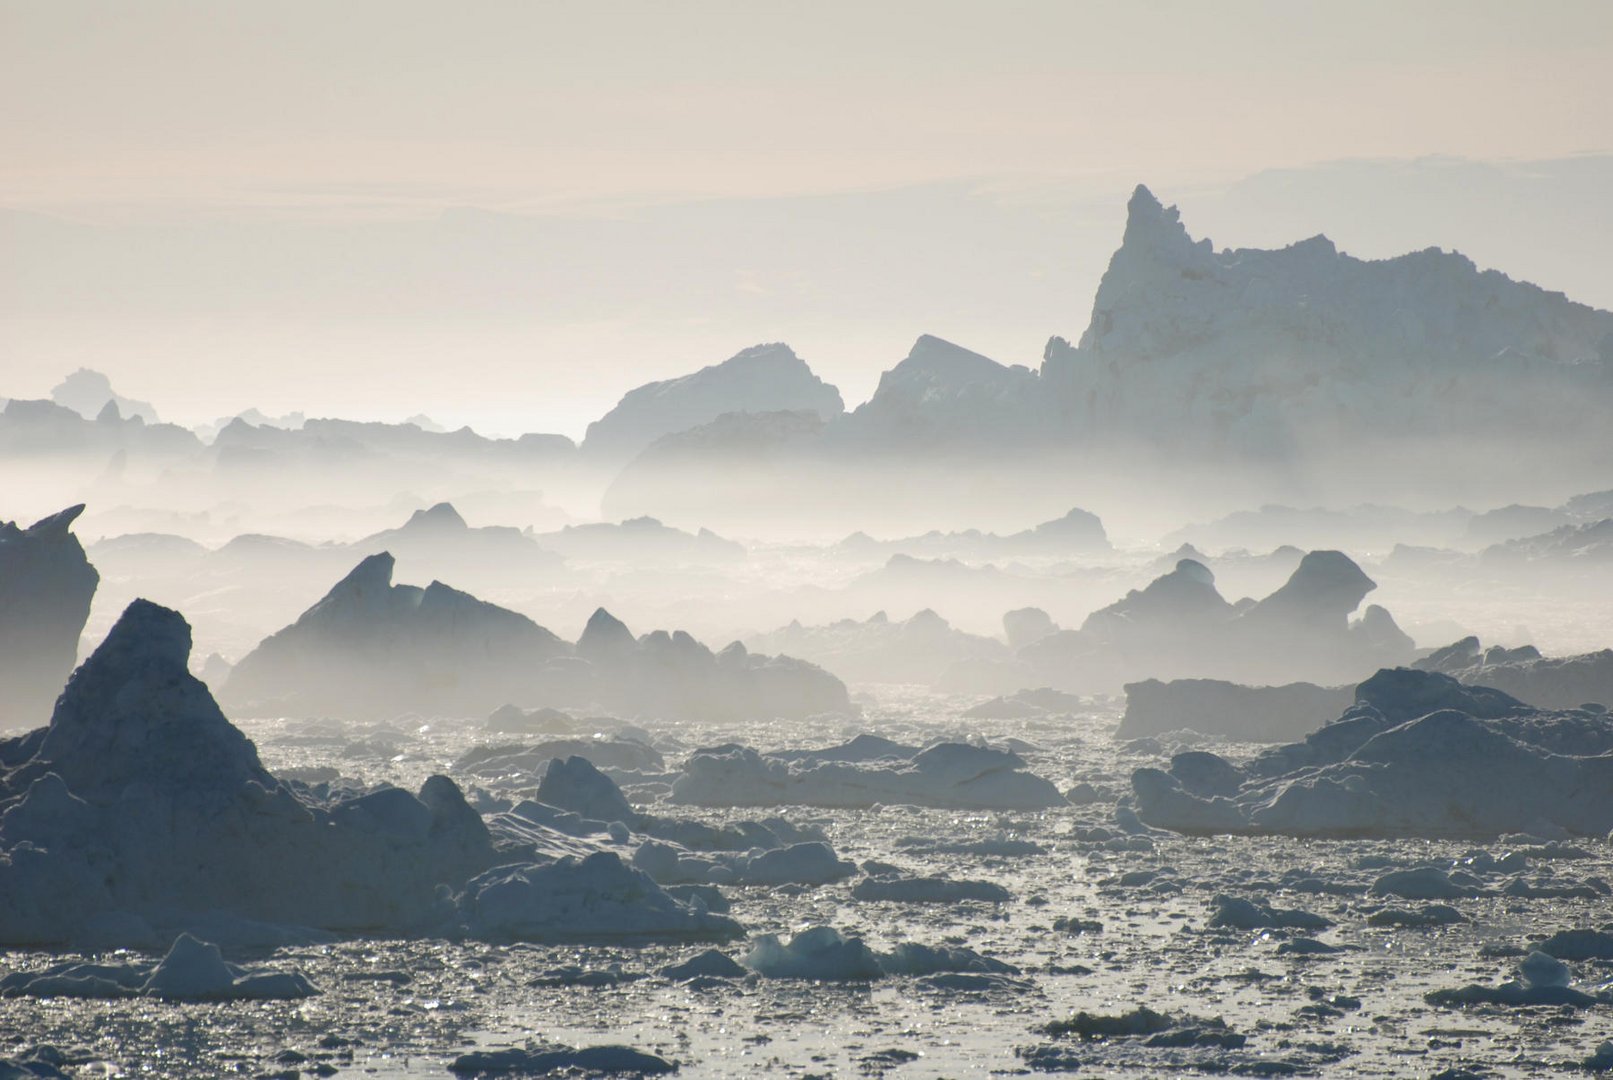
x=46, y=585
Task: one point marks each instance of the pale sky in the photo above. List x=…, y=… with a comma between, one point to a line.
x=509, y=213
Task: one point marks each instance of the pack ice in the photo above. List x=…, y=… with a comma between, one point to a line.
x=865, y=772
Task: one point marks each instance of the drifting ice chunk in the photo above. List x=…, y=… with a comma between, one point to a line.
x=953, y=775
x=191, y=971
x=818, y=953
x=822, y=952
x=551, y=1060
x=812, y=863
x=572, y=783
x=196, y=971
x=599, y=898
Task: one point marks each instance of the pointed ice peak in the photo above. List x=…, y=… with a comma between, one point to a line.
x=939, y=357
x=605, y=634
x=1193, y=570
x=373, y=573
x=133, y=713
x=145, y=634
x=1143, y=203
x=771, y=352
x=927, y=619
x=443, y=516
x=1151, y=224
x=366, y=593
x=56, y=524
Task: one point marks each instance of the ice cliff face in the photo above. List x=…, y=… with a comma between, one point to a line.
x=763, y=378
x=46, y=585
x=1236, y=354
x=1167, y=295
x=1259, y=351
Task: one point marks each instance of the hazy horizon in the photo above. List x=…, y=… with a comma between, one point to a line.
x=225, y=208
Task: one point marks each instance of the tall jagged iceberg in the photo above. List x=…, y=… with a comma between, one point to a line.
x=46, y=586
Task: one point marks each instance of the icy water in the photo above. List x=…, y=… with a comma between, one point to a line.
x=1101, y=920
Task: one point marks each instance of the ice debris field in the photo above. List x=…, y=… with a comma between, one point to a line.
x=953, y=897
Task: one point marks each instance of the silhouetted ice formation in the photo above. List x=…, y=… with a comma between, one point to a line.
x=140, y=811
x=1180, y=626
x=940, y=398
x=1166, y=350
x=762, y=379
x=89, y=393
x=46, y=586
x=1419, y=754
x=44, y=429
x=439, y=537
x=1559, y=682
x=1567, y=547
x=372, y=648
x=139, y=806
x=1193, y=357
